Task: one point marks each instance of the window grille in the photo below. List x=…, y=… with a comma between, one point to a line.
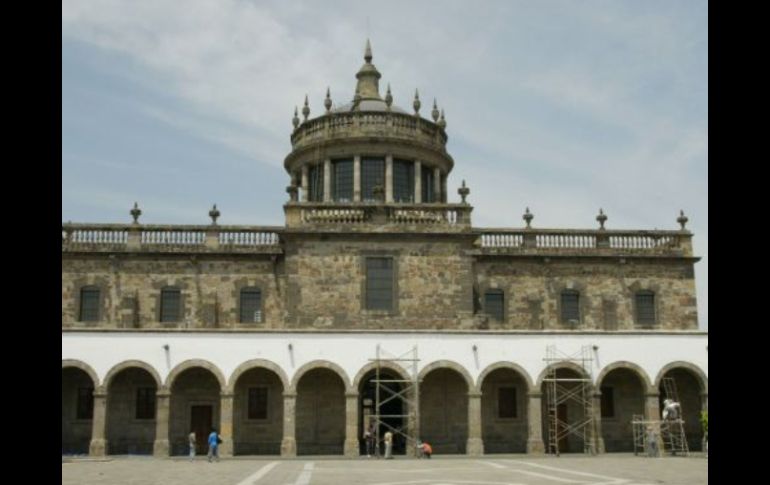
x=403, y=181
x=570, y=307
x=645, y=308
x=342, y=180
x=494, y=304
x=372, y=175
x=89, y=304
x=251, y=305
x=170, y=305
x=379, y=283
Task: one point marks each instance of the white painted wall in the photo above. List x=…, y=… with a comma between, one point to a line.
x=352, y=351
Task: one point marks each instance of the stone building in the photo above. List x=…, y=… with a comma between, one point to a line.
x=270, y=334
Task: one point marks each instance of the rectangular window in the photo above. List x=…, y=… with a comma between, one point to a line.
x=251, y=306
x=372, y=175
x=257, y=403
x=570, y=307
x=427, y=185
x=403, y=181
x=145, y=403
x=89, y=305
x=316, y=188
x=608, y=402
x=506, y=402
x=379, y=283
x=645, y=308
x=85, y=404
x=494, y=304
x=342, y=180
x=170, y=305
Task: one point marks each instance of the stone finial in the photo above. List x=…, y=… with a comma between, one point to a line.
x=368, y=52
x=135, y=213
x=416, y=103
x=434, y=113
x=388, y=98
x=306, y=109
x=602, y=218
x=682, y=219
x=528, y=216
x=295, y=120
x=328, y=101
x=463, y=191
x=293, y=192
x=442, y=121
x=214, y=214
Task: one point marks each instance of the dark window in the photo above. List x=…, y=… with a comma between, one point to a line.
x=372, y=175
x=89, y=304
x=608, y=403
x=403, y=181
x=342, y=180
x=316, y=188
x=427, y=185
x=570, y=307
x=257, y=403
x=645, y=308
x=145, y=403
x=379, y=283
x=170, y=305
x=85, y=404
x=251, y=305
x=494, y=304
x=506, y=402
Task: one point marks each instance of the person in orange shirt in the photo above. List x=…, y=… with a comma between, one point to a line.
x=425, y=450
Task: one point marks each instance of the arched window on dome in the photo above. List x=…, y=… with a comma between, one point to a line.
x=403, y=181
x=428, y=194
x=372, y=175
x=316, y=181
x=342, y=180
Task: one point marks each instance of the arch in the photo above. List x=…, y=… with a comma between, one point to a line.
x=191, y=364
x=320, y=364
x=504, y=365
x=700, y=376
x=257, y=364
x=358, y=379
x=560, y=365
x=116, y=369
x=77, y=364
x=448, y=364
x=622, y=364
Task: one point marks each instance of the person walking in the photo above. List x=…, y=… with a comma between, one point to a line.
x=369, y=439
x=388, y=445
x=214, y=441
x=191, y=441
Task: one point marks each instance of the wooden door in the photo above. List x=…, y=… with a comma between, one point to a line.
x=201, y=422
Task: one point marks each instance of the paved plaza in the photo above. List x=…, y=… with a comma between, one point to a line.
x=615, y=469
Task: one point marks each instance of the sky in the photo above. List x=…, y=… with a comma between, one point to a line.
x=564, y=107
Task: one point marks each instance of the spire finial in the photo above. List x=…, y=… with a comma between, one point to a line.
x=416, y=103
x=328, y=101
x=434, y=113
x=306, y=109
x=388, y=98
x=442, y=121
x=295, y=120
x=368, y=52
x=682, y=219
x=463, y=191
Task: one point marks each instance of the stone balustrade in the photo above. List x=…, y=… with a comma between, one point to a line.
x=363, y=123
x=397, y=216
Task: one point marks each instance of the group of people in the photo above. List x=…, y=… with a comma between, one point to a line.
x=424, y=450
x=214, y=440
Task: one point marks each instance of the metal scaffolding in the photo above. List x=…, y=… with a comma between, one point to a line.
x=408, y=394
x=670, y=432
x=561, y=390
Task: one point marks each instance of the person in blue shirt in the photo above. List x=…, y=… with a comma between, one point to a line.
x=214, y=441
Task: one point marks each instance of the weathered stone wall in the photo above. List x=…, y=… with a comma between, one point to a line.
x=258, y=436
x=503, y=435
x=444, y=411
x=125, y=433
x=532, y=290
x=194, y=387
x=320, y=413
x=628, y=396
x=75, y=433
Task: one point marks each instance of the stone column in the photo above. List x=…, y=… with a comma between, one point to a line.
x=598, y=438
x=161, y=446
x=417, y=182
x=388, y=178
x=289, y=442
x=535, y=443
x=436, y=185
x=305, y=189
x=327, y=180
x=652, y=412
x=351, y=424
x=226, y=424
x=443, y=189
x=475, y=446
x=98, y=446
x=413, y=423
x=357, y=178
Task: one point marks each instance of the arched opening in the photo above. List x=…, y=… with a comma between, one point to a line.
x=320, y=413
x=444, y=411
x=393, y=407
x=131, y=412
x=504, y=412
x=689, y=390
x=622, y=396
x=77, y=409
x=194, y=406
x=570, y=413
x=258, y=413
